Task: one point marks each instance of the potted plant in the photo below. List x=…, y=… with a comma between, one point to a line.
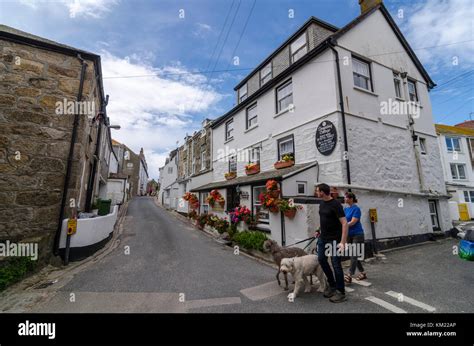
x=286, y=161
x=252, y=168
x=215, y=196
x=230, y=175
x=288, y=208
x=192, y=199
x=272, y=188
x=268, y=202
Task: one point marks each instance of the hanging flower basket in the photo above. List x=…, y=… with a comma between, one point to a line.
x=230, y=175
x=290, y=213
x=274, y=209
x=221, y=202
x=252, y=168
x=274, y=193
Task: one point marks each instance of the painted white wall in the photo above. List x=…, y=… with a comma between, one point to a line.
x=90, y=231
x=113, y=165
x=116, y=190
x=167, y=177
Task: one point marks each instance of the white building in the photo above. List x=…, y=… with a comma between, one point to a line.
x=168, y=194
x=142, y=174
x=456, y=145
x=331, y=98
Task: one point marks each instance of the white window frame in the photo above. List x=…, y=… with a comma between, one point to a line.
x=203, y=157
x=248, y=124
x=266, y=73
x=243, y=93
x=397, y=81
x=233, y=164
x=299, y=48
x=229, y=134
x=256, y=203
x=204, y=204
x=412, y=82
x=457, y=175
x=290, y=95
x=470, y=196
x=254, y=155
x=368, y=78
x=452, y=140
x=422, y=142
x=283, y=141
x=304, y=184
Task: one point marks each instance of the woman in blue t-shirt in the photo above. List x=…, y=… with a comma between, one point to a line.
x=356, y=235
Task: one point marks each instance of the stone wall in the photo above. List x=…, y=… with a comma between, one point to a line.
x=34, y=140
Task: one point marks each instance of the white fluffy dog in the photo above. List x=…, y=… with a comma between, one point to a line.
x=300, y=268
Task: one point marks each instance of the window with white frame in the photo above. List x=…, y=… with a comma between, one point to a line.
x=398, y=85
x=204, y=204
x=170, y=170
x=263, y=215
x=229, y=129
x=361, y=73
x=203, y=157
x=298, y=48
x=469, y=196
x=453, y=144
x=412, y=94
x=286, y=147
x=251, y=116
x=266, y=73
x=254, y=155
x=243, y=93
x=232, y=164
x=422, y=145
x=301, y=187
x=193, y=163
x=458, y=171
x=284, y=95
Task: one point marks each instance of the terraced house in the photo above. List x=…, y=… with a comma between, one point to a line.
x=346, y=106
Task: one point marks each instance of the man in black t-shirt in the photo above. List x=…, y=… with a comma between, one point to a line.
x=333, y=236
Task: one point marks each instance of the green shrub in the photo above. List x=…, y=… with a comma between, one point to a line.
x=250, y=239
x=14, y=269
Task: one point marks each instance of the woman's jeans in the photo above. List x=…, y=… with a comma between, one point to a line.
x=354, y=259
x=335, y=280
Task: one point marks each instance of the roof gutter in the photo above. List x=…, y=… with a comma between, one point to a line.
x=332, y=44
x=69, y=159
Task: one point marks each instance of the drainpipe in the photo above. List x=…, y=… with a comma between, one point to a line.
x=57, y=236
x=332, y=44
x=414, y=137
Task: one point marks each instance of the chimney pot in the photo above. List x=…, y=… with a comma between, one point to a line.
x=366, y=5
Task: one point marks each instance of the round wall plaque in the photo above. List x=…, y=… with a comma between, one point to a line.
x=326, y=137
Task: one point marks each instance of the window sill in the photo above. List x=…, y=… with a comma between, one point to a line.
x=286, y=110
x=365, y=91
x=229, y=140
x=399, y=99
x=251, y=128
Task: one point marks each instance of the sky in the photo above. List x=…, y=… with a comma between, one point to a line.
x=169, y=64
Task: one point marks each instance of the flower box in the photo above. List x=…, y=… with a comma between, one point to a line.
x=230, y=175
x=252, y=169
x=290, y=213
x=283, y=164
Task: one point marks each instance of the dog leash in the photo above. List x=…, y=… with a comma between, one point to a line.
x=301, y=241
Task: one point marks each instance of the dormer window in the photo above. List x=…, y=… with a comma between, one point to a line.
x=266, y=74
x=298, y=48
x=243, y=93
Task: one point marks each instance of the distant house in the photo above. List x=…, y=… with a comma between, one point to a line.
x=168, y=194
x=456, y=144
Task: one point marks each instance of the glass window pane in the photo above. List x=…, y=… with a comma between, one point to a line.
x=449, y=144
x=472, y=196
x=454, y=173
x=360, y=67
x=456, y=144
x=300, y=42
x=462, y=173
x=466, y=196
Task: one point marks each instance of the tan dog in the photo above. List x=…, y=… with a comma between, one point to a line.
x=300, y=268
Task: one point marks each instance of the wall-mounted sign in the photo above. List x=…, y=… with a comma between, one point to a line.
x=244, y=195
x=373, y=215
x=326, y=137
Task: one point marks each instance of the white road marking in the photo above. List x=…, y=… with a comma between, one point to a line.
x=386, y=305
x=348, y=289
x=411, y=301
x=260, y=292
x=200, y=303
x=362, y=282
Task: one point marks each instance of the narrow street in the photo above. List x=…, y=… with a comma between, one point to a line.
x=173, y=267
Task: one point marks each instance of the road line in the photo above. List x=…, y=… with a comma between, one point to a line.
x=270, y=289
x=386, y=305
x=348, y=289
x=201, y=303
x=411, y=301
x=362, y=283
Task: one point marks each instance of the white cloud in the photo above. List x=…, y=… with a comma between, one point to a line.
x=155, y=107
x=77, y=8
x=441, y=23
x=202, y=30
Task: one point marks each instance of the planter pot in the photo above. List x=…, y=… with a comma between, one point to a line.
x=230, y=177
x=290, y=213
x=253, y=170
x=274, y=209
x=283, y=164
x=274, y=193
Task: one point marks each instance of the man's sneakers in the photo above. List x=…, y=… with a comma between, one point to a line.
x=338, y=297
x=329, y=292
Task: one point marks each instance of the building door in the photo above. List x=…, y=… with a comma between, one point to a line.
x=233, y=198
x=434, y=215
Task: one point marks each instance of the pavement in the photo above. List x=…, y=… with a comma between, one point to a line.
x=162, y=264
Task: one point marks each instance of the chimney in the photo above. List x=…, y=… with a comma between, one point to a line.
x=366, y=5
x=141, y=152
